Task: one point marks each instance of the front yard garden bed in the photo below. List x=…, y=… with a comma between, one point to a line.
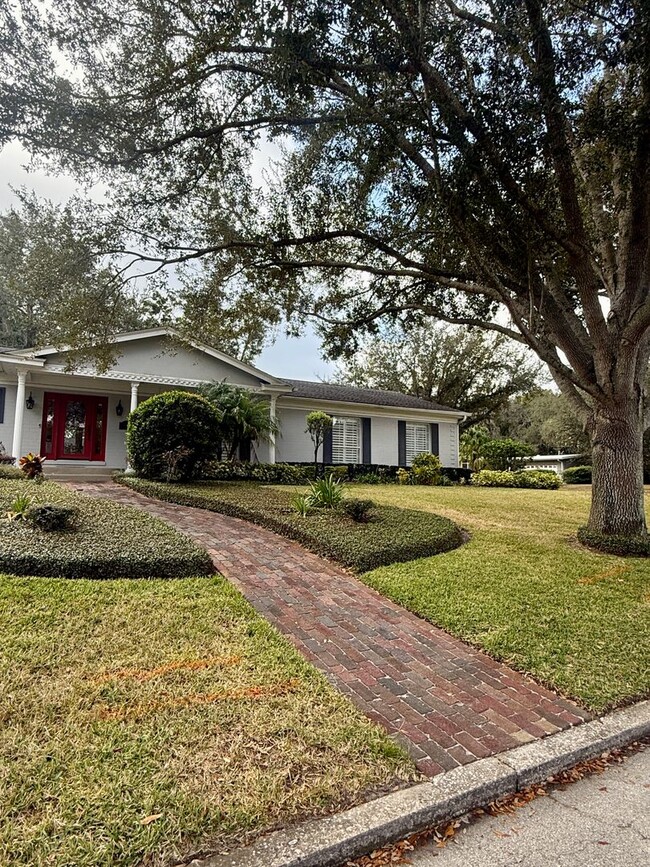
x=392, y=535
x=106, y=540
x=143, y=721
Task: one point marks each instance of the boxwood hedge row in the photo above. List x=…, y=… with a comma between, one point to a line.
x=392, y=535
x=106, y=540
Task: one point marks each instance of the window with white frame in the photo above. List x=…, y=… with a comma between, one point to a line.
x=417, y=441
x=346, y=441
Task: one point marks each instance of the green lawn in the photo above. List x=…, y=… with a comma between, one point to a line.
x=124, y=700
x=525, y=591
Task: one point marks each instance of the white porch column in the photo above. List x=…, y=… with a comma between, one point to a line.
x=272, y=437
x=134, y=405
x=134, y=395
x=18, y=416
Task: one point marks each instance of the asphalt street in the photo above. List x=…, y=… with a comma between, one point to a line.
x=600, y=821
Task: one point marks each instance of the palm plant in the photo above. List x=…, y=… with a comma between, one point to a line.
x=243, y=417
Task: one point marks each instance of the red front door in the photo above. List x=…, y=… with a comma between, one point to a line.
x=74, y=427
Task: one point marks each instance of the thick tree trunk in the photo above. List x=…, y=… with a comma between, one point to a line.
x=617, y=489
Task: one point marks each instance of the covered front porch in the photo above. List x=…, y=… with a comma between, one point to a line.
x=77, y=422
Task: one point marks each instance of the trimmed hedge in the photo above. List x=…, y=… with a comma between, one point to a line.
x=107, y=540
x=391, y=536
x=577, y=476
x=269, y=474
x=624, y=546
x=301, y=473
x=541, y=479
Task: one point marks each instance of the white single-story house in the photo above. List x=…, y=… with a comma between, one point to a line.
x=77, y=417
x=557, y=463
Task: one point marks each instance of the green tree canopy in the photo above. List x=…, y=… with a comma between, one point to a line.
x=466, y=158
x=471, y=370
x=56, y=284
x=546, y=420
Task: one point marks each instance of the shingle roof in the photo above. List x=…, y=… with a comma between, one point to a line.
x=352, y=394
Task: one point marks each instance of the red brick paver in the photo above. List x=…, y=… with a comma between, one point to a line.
x=447, y=703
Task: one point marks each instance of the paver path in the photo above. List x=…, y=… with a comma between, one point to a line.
x=446, y=702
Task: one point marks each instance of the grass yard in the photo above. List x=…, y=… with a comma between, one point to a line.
x=525, y=591
x=145, y=720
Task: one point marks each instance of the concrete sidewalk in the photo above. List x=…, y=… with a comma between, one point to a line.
x=601, y=820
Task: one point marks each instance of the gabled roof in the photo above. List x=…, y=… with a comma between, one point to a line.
x=266, y=378
x=351, y=394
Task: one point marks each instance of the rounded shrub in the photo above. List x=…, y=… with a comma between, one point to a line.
x=577, y=476
x=171, y=435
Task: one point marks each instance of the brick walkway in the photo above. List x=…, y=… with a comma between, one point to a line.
x=443, y=700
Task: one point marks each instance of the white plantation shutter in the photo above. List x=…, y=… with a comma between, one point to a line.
x=417, y=441
x=346, y=441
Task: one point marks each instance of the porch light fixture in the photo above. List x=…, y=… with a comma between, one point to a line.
x=119, y=409
x=30, y=402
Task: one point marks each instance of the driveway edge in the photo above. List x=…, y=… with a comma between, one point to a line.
x=331, y=841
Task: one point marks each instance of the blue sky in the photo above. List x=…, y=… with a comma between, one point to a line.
x=297, y=358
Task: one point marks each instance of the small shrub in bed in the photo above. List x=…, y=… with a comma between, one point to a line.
x=326, y=493
x=172, y=423
x=426, y=469
x=32, y=466
x=9, y=472
x=577, y=476
x=358, y=510
x=51, y=517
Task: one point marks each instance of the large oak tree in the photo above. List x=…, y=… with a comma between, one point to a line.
x=480, y=161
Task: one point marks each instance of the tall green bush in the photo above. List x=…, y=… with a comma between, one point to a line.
x=173, y=423
x=577, y=476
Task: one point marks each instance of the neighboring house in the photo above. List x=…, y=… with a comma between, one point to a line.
x=78, y=417
x=557, y=463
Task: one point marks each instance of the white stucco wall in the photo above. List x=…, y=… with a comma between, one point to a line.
x=294, y=445
x=158, y=357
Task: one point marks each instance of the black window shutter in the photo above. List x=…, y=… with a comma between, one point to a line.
x=401, y=443
x=3, y=392
x=245, y=450
x=327, y=447
x=435, y=439
x=365, y=441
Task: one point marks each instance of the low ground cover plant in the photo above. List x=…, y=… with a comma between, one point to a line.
x=623, y=546
x=541, y=479
x=394, y=535
x=64, y=534
x=143, y=721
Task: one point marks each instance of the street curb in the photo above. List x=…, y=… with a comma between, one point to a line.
x=331, y=841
